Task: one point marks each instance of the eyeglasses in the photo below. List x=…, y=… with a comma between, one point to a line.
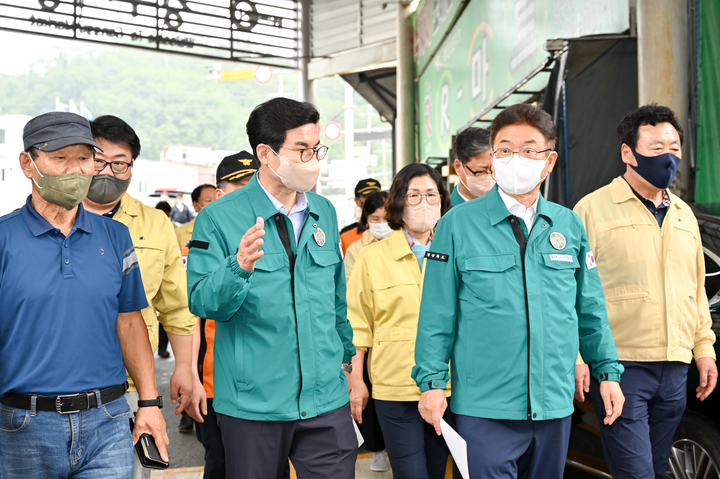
x=306, y=154
x=524, y=152
x=479, y=174
x=414, y=199
x=118, y=167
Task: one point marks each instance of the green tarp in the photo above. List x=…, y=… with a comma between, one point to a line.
x=707, y=180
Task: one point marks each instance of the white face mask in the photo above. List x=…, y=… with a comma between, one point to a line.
x=357, y=212
x=380, y=230
x=300, y=177
x=517, y=175
x=422, y=217
x=477, y=185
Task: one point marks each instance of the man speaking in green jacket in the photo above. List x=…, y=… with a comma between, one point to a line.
x=511, y=293
x=265, y=264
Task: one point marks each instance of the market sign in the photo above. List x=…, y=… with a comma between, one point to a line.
x=431, y=21
x=493, y=45
x=264, y=31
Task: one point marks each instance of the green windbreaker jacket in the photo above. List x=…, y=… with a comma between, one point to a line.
x=511, y=328
x=278, y=349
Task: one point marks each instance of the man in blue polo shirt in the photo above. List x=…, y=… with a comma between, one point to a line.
x=70, y=301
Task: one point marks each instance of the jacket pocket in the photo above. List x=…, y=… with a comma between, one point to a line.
x=151, y=259
x=393, y=356
x=686, y=320
x=239, y=353
x=490, y=264
x=320, y=278
x=633, y=314
x=325, y=258
x=561, y=261
x=271, y=262
x=483, y=275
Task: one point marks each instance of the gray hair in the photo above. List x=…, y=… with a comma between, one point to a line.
x=471, y=142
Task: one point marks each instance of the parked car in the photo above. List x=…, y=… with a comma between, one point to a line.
x=696, y=448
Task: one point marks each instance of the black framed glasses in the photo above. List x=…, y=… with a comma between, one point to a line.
x=479, y=174
x=414, y=199
x=306, y=154
x=530, y=153
x=118, y=167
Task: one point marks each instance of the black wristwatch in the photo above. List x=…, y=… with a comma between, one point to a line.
x=151, y=403
x=347, y=367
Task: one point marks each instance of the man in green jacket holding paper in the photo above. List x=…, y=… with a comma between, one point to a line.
x=510, y=295
x=265, y=264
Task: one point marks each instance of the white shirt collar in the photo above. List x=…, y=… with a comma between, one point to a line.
x=461, y=195
x=514, y=206
x=301, y=202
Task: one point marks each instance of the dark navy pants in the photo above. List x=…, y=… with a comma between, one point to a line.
x=504, y=449
x=320, y=447
x=208, y=433
x=414, y=449
x=638, y=443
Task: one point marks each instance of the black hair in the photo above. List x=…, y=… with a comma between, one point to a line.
x=164, y=206
x=195, y=195
x=395, y=204
x=470, y=142
x=372, y=203
x=629, y=128
x=525, y=114
x=269, y=122
x=113, y=129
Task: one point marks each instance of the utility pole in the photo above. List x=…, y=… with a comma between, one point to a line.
x=663, y=70
x=405, y=89
x=306, y=88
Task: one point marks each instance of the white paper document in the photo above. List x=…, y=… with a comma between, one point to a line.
x=360, y=439
x=457, y=446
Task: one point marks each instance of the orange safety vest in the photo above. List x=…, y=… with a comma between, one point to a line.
x=206, y=356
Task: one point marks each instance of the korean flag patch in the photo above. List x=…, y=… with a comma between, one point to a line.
x=590, y=261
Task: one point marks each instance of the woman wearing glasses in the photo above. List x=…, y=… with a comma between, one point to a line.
x=383, y=307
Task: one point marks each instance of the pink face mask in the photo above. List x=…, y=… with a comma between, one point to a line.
x=422, y=217
x=300, y=177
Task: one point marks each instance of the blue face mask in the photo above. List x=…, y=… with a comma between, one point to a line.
x=659, y=170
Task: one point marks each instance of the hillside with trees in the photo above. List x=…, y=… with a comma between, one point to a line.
x=165, y=97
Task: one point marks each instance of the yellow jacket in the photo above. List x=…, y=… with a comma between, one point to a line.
x=184, y=233
x=354, y=249
x=653, y=278
x=161, y=268
x=383, y=296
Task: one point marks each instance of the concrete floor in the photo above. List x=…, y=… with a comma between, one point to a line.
x=362, y=471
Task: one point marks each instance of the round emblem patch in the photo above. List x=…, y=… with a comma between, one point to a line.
x=319, y=236
x=557, y=240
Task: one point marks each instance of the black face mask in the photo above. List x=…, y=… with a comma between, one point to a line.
x=105, y=189
x=659, y=170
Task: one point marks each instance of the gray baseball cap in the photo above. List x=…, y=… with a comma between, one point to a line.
x=57, y=129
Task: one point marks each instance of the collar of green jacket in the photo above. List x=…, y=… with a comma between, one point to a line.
x=621, y=192
x=263, y=207
x=497, y=211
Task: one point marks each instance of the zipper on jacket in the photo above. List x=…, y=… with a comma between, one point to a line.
x=284, y=235
x=522, y=242
x=285, y=238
